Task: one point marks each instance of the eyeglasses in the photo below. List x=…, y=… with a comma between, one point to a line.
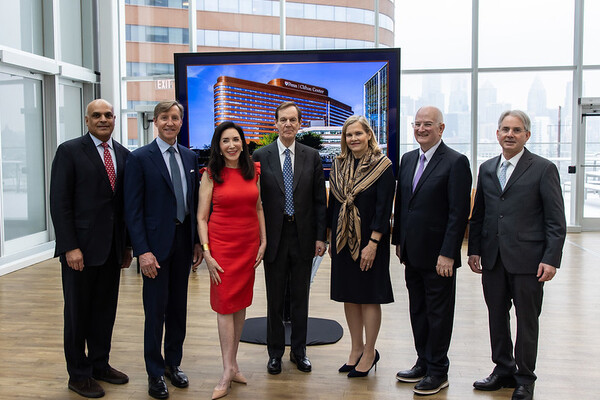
x=418, y=125
x=516, y=131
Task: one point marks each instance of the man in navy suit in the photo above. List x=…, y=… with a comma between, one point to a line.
x=430, y=218
x=86, y=205
x=161, y=198
x=517, y=232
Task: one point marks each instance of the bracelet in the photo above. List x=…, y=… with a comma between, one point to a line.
x=374, y=240
x=205, y=247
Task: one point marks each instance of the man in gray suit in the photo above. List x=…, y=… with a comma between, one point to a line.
x=292, y=189
x=517, y=232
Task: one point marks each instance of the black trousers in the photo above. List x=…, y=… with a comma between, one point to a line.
x=499, y=288
x=165, y=305
x=431, y=303
x=90, y=297
x=288, y=263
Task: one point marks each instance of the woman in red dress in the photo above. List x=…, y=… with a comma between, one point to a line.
x=233, y=239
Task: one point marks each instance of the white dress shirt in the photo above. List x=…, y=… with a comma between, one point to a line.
x=282, y=148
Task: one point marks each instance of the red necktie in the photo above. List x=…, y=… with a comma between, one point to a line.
x=110, y=167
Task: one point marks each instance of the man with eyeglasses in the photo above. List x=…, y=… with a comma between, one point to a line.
x=292, y=188
x=516, y=236
x=430, y=218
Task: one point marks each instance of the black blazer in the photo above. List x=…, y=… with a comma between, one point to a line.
x=524, y=223
x=85, y=212
x=431, y=221
x=309, y=197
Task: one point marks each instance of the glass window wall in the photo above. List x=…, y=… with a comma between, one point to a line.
x=21, y=25
x=22, y=150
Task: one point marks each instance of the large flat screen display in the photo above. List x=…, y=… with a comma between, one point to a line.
x=327, y=85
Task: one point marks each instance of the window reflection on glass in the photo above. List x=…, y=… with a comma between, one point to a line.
x=434, y=33
x=21, y=25
x=69, y=113
x=591, y=184
x=515, y=33
x=21, y=144
x=451, y=93
x=547, y=98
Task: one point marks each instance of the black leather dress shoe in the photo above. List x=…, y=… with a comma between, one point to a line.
x=157, y=387
x=87, y=388
x=302, y=362
x=111, y=375
x=177, y=377
x=495, y=382
x=274, y=365
x=431, y=385
x=415, y=374
x=523, y=392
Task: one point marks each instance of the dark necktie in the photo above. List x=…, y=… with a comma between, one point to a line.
x=108, y=164
x=419, y=171
x=177, y=186
x=288, y=182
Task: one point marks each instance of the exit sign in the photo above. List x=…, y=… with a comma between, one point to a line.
x=163, y=84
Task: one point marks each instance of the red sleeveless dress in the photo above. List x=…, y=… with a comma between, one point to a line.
x=234, y=238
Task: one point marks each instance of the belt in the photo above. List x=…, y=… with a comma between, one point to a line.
x=289, y=218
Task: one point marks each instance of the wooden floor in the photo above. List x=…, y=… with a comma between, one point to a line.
x=33, y=367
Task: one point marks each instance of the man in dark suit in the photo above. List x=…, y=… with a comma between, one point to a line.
x=516, y=236
x=161, y=197
x=86, y=205
x=293, y=194
x=430, y=217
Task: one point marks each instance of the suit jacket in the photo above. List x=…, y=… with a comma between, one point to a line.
x=150, y=204
x=309, y=197
x=85, y=211
x=524, y=223
x=431, y=221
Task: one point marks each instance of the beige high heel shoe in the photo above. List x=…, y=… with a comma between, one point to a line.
x=218, y=393
x=240, y=378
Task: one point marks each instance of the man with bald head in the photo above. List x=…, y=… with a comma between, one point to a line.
x=431, y=212
x=86, y=205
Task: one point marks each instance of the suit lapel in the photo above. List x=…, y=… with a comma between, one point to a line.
x=435, y=160
x=520, y=168
x=188, y=169
x=299, y=160
x=411, y=165
x=275, y=164
x=157, y=158
x=92, y=153
x=120, y=155
x=492, y=173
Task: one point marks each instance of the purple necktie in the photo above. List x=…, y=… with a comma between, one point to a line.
x=419, y=171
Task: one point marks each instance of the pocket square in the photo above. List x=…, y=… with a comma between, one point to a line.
x=191, y=171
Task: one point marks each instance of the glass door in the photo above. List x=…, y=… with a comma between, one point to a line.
x=22, y=172
x=588, y=170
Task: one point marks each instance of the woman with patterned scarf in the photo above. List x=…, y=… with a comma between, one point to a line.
x=358, y=218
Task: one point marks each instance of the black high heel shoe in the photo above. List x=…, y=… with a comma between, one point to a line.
x=348, y=368
x=359, y=374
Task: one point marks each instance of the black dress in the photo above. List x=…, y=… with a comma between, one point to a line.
x=348, y=283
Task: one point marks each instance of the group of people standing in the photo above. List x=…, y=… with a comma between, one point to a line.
x=272, y=207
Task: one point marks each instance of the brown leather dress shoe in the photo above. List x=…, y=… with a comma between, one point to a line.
x=87, y=388
x=111, y=375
